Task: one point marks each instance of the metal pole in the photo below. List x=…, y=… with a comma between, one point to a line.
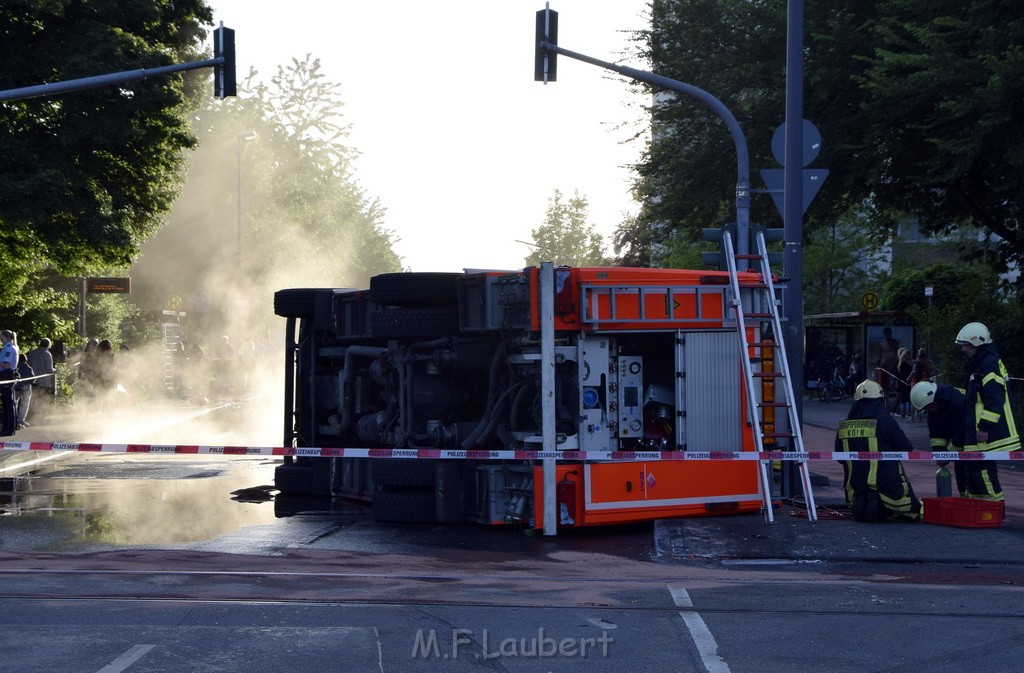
x=81, y=307
x=98, y=81
x=930, y=355
x=546, y=287
x=238, y=202
x=792, y=295
x=248, y=135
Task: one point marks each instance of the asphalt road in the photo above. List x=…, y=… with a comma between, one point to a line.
x=503, y=612
x=324, y=587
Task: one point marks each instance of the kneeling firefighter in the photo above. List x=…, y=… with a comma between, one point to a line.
x=876, y=490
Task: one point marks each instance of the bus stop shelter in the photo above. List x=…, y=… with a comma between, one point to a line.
x=863, y=344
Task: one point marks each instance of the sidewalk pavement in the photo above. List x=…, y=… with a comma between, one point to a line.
x=835, y=537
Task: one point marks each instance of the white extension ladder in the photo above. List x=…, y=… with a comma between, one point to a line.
x=764, y=310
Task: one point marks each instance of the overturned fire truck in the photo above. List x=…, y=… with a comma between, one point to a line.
x=479, y=378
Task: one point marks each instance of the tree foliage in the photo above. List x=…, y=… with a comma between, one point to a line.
x=919, y=104
x=945, y=112
x=311, y=206
x=87, y=176
x=839, y=267
x=961, y=294
x=303, y=220
x=566, y=236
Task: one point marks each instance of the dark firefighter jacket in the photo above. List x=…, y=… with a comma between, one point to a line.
x=869, y=427
x=988, y=405
x=946, y=423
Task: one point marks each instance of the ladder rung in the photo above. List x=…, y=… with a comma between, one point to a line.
x=766, y=375
x=757, y=315
x=746, y=256
x=777, y=435
x=774, y=405
x=763, y=344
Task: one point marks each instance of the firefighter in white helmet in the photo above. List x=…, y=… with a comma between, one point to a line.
x=876, y=490
x=988, y=419
x=945, y=408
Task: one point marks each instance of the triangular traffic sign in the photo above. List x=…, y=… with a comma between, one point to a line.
x=774, y=180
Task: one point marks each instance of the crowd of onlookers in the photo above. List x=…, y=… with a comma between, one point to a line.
x=220, y=372
x=23, y=375
x=102, y=381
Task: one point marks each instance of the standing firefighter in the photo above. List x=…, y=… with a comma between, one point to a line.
x=988, y=419
x=945, y=408
x=876, y=490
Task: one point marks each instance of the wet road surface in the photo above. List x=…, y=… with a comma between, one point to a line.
x=89, y=502
x=149, y=563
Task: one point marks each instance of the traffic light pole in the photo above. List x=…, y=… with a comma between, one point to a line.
x=547, y=47
x=102, y=80
x=742, y=156
x=793, y=219
x=223, y=63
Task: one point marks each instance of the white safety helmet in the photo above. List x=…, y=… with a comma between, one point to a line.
x=867, y=389
x=973, y=333
x=922, y=394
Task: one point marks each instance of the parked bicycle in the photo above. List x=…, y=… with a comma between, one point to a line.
x=832, y=388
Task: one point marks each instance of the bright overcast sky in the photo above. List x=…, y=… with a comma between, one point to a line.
x=458, y=142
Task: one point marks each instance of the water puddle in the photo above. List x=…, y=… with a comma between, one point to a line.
x=140, y=500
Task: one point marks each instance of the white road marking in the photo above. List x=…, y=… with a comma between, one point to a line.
x=707, y=647
x=126, y=659
x=380, y=650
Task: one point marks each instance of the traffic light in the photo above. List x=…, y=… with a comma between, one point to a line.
x=770, y=236
x=714, y=235
x=224, y=73
x=544, y=61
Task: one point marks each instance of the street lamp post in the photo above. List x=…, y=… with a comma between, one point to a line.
x=248, y=135
x=929, y=290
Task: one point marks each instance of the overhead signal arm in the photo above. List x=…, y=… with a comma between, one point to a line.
x=223, y=64
x=544, y=70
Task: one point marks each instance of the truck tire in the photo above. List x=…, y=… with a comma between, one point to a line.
x=312, y=478
x=295, y=302
x=396, y=473
x=415, y=290
x=404, y=506
x=414, y=323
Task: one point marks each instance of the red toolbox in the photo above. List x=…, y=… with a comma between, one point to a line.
x=963, y=512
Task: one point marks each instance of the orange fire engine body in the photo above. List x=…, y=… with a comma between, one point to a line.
x=644, y=360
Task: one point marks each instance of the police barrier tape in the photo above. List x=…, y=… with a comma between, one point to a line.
x=454, y=454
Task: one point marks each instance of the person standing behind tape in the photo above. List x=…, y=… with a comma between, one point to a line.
x=40, y=359
x=876, y=490
x=904, y=369
x=945, y=408
x=988, y=419
x=23, y=391
x=8, y=373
